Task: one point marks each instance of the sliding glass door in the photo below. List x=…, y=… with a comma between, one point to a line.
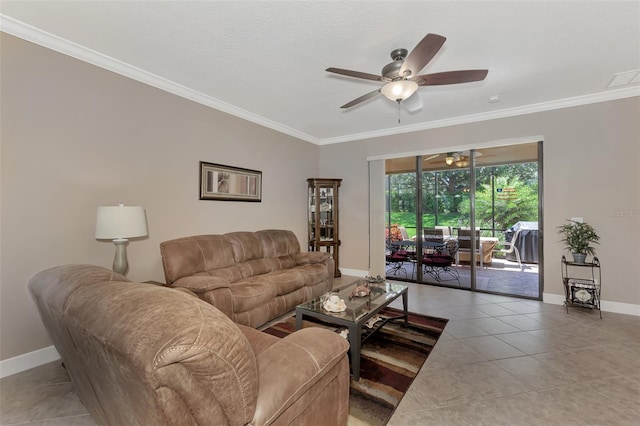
x=478, y=207
x=507, y=212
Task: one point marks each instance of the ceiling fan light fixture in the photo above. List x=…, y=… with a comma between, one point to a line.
x=448, y=159
x=462, y=161
x=399, y=90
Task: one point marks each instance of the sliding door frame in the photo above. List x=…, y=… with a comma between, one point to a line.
x=377, y=227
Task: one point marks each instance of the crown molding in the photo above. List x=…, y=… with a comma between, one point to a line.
x=66, y=47
x=35, y=35
x=609, y=95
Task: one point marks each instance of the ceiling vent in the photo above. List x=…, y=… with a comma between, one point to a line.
x=625, y=78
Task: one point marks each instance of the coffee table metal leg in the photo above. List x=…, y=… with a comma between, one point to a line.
x=405, y=306
x=355, y=340
x=298, y=320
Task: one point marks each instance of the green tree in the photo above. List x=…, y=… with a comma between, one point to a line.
x=513, y=196
x=514, y=200
x=401, y=192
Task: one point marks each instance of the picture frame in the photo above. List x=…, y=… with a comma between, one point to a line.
x=227, y=183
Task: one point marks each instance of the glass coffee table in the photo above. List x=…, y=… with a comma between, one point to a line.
x=359, y=310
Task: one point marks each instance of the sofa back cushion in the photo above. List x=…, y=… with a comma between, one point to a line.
x=246, y=246
x=261, y=252
x=194, y=255
x=278, y=242
x=231, y=256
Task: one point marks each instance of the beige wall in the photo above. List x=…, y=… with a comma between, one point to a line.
x=591, y=158
x=75, y=137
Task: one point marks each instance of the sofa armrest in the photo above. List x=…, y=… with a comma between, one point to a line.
x=289, y=369
x=312, y=257
x=213, y=290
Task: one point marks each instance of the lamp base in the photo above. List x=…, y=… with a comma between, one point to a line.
x=120, y=264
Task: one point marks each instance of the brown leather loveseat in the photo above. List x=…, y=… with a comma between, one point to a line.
x=253, y=277
x=142, y=354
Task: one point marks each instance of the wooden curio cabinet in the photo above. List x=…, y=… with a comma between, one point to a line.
x=322, y=205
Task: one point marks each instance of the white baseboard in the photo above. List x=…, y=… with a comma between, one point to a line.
x=606, y=306
x=553, y=299
x=354, y=272
x=27, y=361
x=620, y=308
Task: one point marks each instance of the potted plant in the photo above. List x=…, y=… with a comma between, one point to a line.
x=578, y=237
x=394, y=234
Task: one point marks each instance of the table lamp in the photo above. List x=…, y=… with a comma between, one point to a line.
x=118, y=223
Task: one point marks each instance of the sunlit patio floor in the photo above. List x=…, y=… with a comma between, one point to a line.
x=501, y=276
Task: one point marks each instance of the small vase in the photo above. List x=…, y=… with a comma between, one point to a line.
x=579, y=257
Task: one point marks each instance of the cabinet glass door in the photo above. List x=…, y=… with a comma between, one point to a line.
x=323, y=217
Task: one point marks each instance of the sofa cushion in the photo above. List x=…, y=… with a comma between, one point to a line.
x=252, y=292
x=254, y=267
x=285, y=281
x=313, y=273
x=230, y=273
x=311, y=257
x=286, y=262
x=278, y=242
x=190, y=255
x=246, y=246
x=258, y=340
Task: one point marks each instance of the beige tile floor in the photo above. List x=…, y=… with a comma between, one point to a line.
x=500, y=361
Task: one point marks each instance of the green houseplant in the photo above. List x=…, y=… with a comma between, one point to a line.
x=578, y=237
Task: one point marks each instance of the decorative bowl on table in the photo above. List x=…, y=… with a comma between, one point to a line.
x=330, y=306
x=361, y=291
x=376, y=279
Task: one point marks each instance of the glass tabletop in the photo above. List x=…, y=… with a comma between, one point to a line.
x=357, y=307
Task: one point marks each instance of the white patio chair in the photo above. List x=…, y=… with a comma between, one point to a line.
x=512, y=247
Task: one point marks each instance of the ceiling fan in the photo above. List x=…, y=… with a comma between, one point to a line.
x=401, y=75
x=459, y=159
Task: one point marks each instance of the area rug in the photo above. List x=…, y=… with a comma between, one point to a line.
x=391, y=359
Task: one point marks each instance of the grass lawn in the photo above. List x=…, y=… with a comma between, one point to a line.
x=408, y=220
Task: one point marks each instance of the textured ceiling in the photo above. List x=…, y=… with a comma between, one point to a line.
x=265, y=60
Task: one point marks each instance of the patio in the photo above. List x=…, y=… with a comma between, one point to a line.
x=501, y=276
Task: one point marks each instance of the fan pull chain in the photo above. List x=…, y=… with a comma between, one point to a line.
x=398, y=110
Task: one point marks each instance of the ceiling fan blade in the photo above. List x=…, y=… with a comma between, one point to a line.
x=432, y=157
x=450, y=77
x=413, y=103
x=361, y=99
x=356, y=74
x=422, y=54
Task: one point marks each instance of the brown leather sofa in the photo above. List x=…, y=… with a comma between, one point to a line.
x=253, y=277
x=142, y=354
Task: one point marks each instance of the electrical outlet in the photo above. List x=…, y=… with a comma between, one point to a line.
x=577, y=219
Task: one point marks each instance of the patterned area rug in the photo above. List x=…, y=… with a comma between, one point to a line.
x=391, y=359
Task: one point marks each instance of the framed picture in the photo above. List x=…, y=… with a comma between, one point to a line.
x=220, y=182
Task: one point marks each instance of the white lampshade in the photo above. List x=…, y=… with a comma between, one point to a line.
x=118, y=222
x=399, y=90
